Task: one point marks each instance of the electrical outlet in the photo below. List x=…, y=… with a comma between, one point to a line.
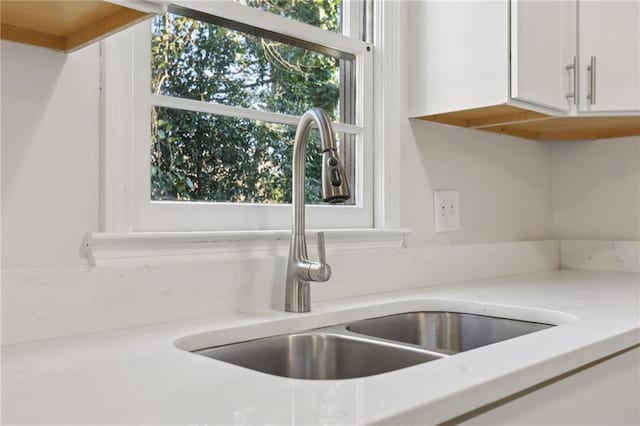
x=446, y=210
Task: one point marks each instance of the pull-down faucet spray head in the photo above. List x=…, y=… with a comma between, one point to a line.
x=335, y=187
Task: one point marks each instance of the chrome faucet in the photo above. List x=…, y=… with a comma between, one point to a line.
x=335, y=189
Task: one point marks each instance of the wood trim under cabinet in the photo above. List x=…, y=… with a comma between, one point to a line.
x=572, y=128
x=64, y=25
x=487, y=116
x=120, y=20
x=36, y=38
x=516, y=121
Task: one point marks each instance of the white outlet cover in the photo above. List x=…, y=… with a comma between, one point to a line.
x=446, y=210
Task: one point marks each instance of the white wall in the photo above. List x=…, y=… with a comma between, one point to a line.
x=504, y=184
x=596, y=189
x=49, y=154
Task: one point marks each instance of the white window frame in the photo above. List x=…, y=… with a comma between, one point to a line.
x=126, y=134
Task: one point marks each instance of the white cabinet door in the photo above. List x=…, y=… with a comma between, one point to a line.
x=605, y=394
x=609, y=31
x=543, y=43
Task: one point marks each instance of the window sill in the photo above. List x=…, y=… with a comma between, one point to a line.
x=104, y=248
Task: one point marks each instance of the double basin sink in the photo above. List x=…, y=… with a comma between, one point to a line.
x=371, y=346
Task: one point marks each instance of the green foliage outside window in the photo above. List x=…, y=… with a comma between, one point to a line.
x=205, y=157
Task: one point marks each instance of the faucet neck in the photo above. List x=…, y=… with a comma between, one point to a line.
x=320, y=118
x=300, y=271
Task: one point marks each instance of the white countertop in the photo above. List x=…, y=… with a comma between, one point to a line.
x=139, y=376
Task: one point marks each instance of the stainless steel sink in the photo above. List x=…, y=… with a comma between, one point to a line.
x=319, y=356
x=371, y=346
x=446, y=332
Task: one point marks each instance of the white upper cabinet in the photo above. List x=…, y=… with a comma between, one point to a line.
x=459, y=55
x=609, y=37
x=543, y=43
x=524, y=67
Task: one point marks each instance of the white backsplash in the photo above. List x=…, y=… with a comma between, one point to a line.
x=56, y=302
x=619, y=256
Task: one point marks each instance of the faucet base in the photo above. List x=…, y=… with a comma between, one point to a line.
x=298, y=296
x=296, y=311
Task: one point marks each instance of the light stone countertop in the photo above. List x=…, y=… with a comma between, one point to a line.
x=140, y=376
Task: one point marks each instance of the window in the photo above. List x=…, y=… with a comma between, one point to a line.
x=218, y=90
x=211, y=157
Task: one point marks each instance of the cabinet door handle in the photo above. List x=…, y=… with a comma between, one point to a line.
x=592, y=81
x=574, y=67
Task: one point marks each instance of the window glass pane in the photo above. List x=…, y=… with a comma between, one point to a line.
x=323, y=14
x=206, y=62
x=206, y=157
